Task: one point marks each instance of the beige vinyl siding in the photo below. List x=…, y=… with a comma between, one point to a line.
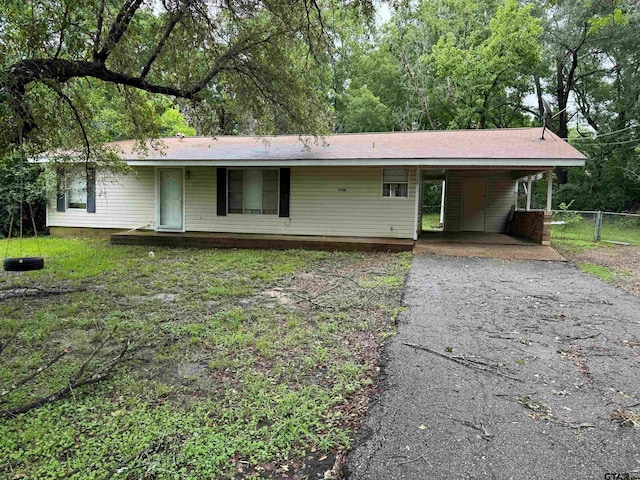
x=122, y=201
x=318, y=205
x=500, y=198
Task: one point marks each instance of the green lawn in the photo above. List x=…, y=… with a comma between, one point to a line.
x=579, y=228
x=240, y=363
x=431, y=221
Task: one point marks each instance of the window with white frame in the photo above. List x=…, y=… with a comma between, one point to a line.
x=395, y=182
x=77, y=189
x=253, y=191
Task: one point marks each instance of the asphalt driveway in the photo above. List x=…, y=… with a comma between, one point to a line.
x=506, y=369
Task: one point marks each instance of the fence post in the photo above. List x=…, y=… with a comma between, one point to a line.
x=598, y=230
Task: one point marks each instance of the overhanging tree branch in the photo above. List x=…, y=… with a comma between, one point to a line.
x=118, y=28
x=98, y=35
x=63, y=28
x=173, y=21
x=85, y=138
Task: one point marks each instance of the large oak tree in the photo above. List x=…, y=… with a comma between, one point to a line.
x=257, y=62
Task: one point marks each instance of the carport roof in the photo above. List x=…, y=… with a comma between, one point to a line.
x=498, y=148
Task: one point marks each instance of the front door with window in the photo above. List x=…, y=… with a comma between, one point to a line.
x=474, y=194
x=170, y=199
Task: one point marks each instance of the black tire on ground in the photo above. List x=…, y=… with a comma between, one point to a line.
x=23, y=264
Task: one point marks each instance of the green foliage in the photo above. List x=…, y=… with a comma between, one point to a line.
x=597, y=23
x=21, y=189
x=432, y=195
x=481, y=69
x=570, y=220
x=364, y=112
x=451, y=64
x=119, y=114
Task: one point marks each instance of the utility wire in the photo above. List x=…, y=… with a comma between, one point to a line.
x=604, y=144
x=606, y=134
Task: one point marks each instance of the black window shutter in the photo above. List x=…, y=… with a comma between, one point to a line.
x=221, y=193
x=61, y=199
x=285, y=192
x=91, y=190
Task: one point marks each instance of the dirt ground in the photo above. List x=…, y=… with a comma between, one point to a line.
x=506, y=370
x=507, y=252
x=624, y=261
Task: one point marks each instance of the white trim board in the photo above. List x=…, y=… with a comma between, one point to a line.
x=435, y=162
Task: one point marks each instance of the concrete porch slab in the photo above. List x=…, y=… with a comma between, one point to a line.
x=473, y=237
x=279, y=242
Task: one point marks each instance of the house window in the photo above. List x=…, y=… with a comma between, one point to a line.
x=77, y=190
x=253, y=191
x=395, y=182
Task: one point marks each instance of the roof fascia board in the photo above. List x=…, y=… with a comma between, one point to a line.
x=438, y=162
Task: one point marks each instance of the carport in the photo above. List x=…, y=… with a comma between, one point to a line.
x=482, y=200
x=480, y=172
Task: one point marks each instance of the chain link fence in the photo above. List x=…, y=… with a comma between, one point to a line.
x=595, y=226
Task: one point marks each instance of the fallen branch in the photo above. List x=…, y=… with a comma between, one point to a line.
x=120, y=466
x=37, y=372
x=462, y=361
x=80, y=371
x=74, y=382
x=345, y=277
x=586, y=337
x=35, y=291
x=415, y=460
x=319, y=305
x=324, y=292
x=543, y=412
x=486, y=434
x=4, y=345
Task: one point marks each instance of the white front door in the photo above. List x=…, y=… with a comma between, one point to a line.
x=170, y=199
x=474, y=198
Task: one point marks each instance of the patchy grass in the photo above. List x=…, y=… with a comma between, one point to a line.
x=619, y=265
x=568, y=246
x=603, y=273
x=241, y=363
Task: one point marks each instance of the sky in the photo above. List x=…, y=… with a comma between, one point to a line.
x=383, y=13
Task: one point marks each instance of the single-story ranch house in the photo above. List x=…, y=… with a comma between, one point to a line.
x=356, y=186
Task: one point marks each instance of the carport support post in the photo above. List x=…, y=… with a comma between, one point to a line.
x=418, y=213
x=549, y=189
x=442, y=204
x=528, y=193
